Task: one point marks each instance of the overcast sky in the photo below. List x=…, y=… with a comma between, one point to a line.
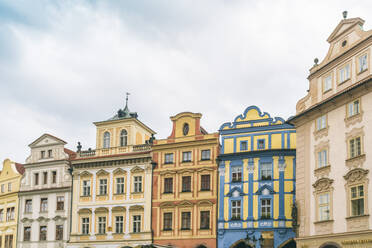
x=65, y=64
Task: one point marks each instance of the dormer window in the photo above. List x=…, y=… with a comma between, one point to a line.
x=123, y=138
x=106, y=140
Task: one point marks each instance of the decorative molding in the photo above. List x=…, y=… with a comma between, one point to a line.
x=352, y=120
x=356, y=161
x=323, y=184
x=356, y=175
x=320, y=133
x=322, y=171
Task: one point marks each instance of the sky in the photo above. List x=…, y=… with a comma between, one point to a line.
x=66, y=64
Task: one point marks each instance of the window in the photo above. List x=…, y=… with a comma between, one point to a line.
x=10, y=214
x=28, y=206
x=322, y=158
x=137, y=184
x=36, y=178
x=321, y=122
x=186, y=157
x=186, y=184
x=42, y=154
x=101, y=225
x=59, y=232
x=265, y=209
x=235, y=210
x=344, y=73
x=167, y=220
x=102, y=186
x=120, y=185
x=85, y=225
x=204, y=219
x=43, y=233
x=2, y=188
x=26, y=233
x=261, y=144
x=86, y=188
x=355, y=148
x=186, y=221
x=236, y=173
x=44, y=204
x=362, y=60
x=136, y=223
x=9, y=187
x=168, y=185
x=1, y=215
x=353, y=108
x=54, y=176
x=45, y=177
x=243, y=145
x=205, y=154
x=119, y=221
x=169, y=158
x=205, y=182
x=323, y=206
x=327, y=84
x=60, y=202
x=106, y=140
x=8, y=241
x=266, y=171
x=357, y=200
x=50, y=154
x=123, y=137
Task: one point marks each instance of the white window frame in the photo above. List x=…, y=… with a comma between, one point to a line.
x=322, y=158
x=236, y=209
x=102, y=224
x=103, y=186
x=362, y=63
x=359, y=195
x=321, y=122
x=353, y=108
x=137, y=184
x=324, y=206
x=120, y=185
x=85, y=225
x=327, y=84
x=136, y=223
x=119, y=224
x=344, y=73
x=86, y=187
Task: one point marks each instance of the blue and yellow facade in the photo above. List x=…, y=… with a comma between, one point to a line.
x=257, y=167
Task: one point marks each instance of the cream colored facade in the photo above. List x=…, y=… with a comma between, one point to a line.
x=10, y=178
x=111, y=202
x=334, y=140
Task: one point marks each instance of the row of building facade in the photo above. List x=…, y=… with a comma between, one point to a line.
x=260, y=181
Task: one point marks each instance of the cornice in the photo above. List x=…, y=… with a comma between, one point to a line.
x=47, y=190
x=110, y=163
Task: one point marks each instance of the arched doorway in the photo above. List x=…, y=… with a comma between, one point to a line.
x=241, y=244
x=330, y=245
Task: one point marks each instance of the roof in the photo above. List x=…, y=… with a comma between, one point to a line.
x=20, y=168
x=46, y=134
x=71, y=154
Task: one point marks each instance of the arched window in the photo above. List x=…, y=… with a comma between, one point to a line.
x=106, y=140
x=123, y=138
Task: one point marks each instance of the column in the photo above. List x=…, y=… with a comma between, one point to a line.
x=109, y=233
x=250, y=191
x=93, y=222
x=222, y=193
x=111, y=188
x=94, y=186
x=147, y=198
x=127, y=223
x=128, y=183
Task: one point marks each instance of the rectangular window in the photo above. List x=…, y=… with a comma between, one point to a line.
x=2, y=188
x=353, y=108
x=54, y=176
x=28, y=206
x=205, y=182
x=137, y=184
x=8, y=241
x=167, y=220
x=186, y=157
x=205, y=154
x=169, y=158
x=344, y=73
x=103, y=186
x=60, y=202
x=322, y=158
x=186, y=184
x=236, y=174
x=266, y=171
x=43, y=204
x=119, y=222
x=168, y=185
x=45, y=177
x=137, y=223
x=261, y=144
x=357, y=200
x=9, y=187
x=327, y=84
x=50, y=154
x=323, y=206
x=43, y=233
x=186, y=221
x=42, y=154
x=235, y=210
x=355, y=147
x=10, y=214
x=101, y=225
x=86, y=188
x=321, y=122
x=243, y=145
x=59, y=232
x=362, y=63
x=120, y=185
x=85, y=225
x=26, y=233
x=265, y=209
x=204, y=219
x=36, y=178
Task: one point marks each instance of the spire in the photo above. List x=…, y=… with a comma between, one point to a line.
x=125, y=113
x=126, y=109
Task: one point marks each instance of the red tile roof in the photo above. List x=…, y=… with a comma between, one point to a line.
x=20, y=168
x=71, y=154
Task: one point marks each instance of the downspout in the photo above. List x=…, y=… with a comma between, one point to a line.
x=72, y=197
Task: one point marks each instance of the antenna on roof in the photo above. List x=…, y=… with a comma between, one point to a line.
x=344, y=14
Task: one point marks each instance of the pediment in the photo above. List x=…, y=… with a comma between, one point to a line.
x=265, y=190
x=85, y=174
x=137, y=169
x=136, y=207
x=323, y=184
x=356, y=175
x=27, y=220
x=205, y=203
x=185, y=204
x=45, y=140
x=167, y=205
x=344, y=26
x=235, y=192
x=119, y=171
x=42, y=219
x=102, y=172
x=59, y=218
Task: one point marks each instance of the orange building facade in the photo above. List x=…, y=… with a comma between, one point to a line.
x=184, y=195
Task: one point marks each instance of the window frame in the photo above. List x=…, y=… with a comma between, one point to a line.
x=324, y=82
x=358, y=62
x=43, y=233
x=186, y=186
x=186, y=156
x=167, y=221
x=355, y=150
x=123, y=137
x=59, y=232
x=236, y=174
x=120, y=186
x=137, y=221
x=119, y=224
x=103, y=183
x=85, y=225
x=102, y=224
x=137, y=184
x=206, y=154
x=60, y=206
x=185, y=220
x=266, y=174
x=206, y=185
x=205, y=221
x=244, y=145
x=266, y=209
x=27, y=237
x=236, y=209
x=43, y=205
x=324, y=205
x=322, y=158
x=106, y=140
x=347, y=73
x=86, y=188
x=168, y=158
x=168, y=185
x=353, y=108
x=357, y=199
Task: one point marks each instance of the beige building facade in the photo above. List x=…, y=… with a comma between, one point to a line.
x=334, y=139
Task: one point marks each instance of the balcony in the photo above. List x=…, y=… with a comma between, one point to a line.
x=113, y=151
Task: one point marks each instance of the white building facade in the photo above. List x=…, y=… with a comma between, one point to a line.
x=45, y=195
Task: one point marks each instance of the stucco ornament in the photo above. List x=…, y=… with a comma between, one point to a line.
x=357, y=174
x=323, y=184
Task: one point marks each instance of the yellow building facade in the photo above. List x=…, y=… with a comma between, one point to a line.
x=10, y=179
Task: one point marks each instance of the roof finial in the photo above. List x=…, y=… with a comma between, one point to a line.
x=126, y=99
x=344, y=14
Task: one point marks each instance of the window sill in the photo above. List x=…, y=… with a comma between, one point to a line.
x=167, y=193
x=119, y=193
x=323, y=221
x=205, y=190
x=167, y=230
x=101, y=234
x=355, y=158
x=326, y=91
x=235, y=219
x=185, y=229
x=321, y=170
x=85, y=196
x=186, y=191
x=205, y=228
x=361, y=72
x=353, y=119
x=102, y=195
x=60, y=210
x=206, y=159
x=357, y=217
x=236, y=181
x=186, y=161
x=137, y=193
x=345, y=81
x=169, y=163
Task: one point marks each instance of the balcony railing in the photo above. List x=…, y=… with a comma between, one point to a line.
x=113, y=150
